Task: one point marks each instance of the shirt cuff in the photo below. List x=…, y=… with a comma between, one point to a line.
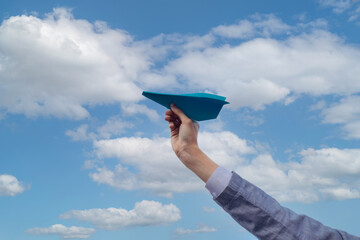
x=218, y=181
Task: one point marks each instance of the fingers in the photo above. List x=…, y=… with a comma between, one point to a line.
x=170, y=116
x=179, y=113
x=173, y=119
x=171, y=125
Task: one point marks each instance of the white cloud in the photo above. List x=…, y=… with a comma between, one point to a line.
x=327, y=173
x=352, y=129
x=80, y=134
x=198, y=42
x=133, y=108
x=63, y=65
x=156, y=167
x=200, y=229
x=350, y=7
x=58, y=65
x=347, y=110
x=10, y=186
x=338, y=6
x=355, y=14
x=320, y=105
x=64, y=232
x=226, y=147
x=243, y=30
x=216, y=125
x=290, y=99
x=114, y=126
x=346, y=113
x=161, y=172
x=262, y=71
x=259, y=25
x=145, y=213
x=120, y=177
x=332, y=161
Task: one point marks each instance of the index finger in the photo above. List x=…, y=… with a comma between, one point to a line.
x=179, y=113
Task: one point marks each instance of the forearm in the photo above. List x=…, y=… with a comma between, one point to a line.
x=198, y=162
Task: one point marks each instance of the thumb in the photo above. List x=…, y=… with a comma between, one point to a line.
x=178, y=112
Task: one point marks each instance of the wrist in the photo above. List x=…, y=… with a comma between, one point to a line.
x=188, y=154
x=198, y=162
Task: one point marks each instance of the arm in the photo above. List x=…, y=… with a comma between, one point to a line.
x=264, y=217
x=252, y=208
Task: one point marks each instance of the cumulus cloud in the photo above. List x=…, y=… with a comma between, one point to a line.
x=262, y=71
x=58, y=65
x=145, y=213
x=314, y=175
x=64, y=232
x=200, y=229
x=10, y=186
x=162, y=173
x=327, y=173
x=258, y=25
x=346, y=113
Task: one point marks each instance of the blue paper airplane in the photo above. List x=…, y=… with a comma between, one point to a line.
x=197, y=106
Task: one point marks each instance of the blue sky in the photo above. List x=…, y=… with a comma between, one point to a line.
x=85, y=156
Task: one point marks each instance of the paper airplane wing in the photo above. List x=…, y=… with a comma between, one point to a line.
x=197, y=106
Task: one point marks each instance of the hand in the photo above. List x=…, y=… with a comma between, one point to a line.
x=184, y=133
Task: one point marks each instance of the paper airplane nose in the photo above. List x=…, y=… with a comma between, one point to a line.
x=197, y=106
